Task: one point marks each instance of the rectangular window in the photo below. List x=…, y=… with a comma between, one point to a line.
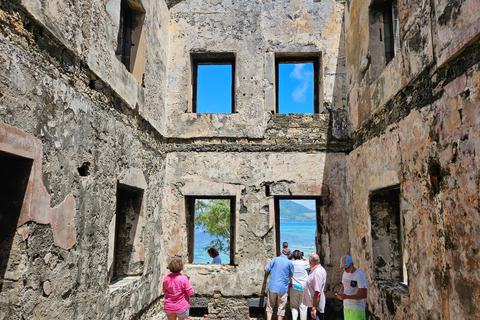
x=128, y=243
x=213, y=81
x=296, y=224
x=131, y=47
x=297, y=83
x=15, y=172
x=387, y=236
x=211, y=224
x=384, y=35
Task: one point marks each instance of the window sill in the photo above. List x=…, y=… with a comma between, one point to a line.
x=123, y=282
x=208, y=266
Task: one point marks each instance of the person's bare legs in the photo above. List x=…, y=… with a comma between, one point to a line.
x=269, y=315
x=182, y=318
x=279, y=317
x=172, y=316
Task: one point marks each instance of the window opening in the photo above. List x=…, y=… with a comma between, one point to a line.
x=128, y=234
x=256, y=312
x=296, y=221
x=198, y=312
x=387, y=235
x=131, y=39
x=384, y=35
x=213, y=83
x=211, y=224
x=15, y=172
x=389, y=38
x=297, y=84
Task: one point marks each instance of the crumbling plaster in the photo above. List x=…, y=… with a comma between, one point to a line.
x=61, y=83
x=62, y=87
x=73, y=123
x=210, y=173
x=432, y=119
x=254, y=31
x=365, y=94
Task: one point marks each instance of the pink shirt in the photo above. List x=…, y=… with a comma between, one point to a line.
x=177, y=289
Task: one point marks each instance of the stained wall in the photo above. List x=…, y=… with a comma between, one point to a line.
x=96, y=126
x=416, y=128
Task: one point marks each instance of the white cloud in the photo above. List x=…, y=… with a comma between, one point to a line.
x=304, y=78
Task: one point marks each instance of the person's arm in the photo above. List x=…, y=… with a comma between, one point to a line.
x=163, y=286
x=340, y=293
x=188, y=287
x=361, y=294
x=316, y=301
x=268, y=267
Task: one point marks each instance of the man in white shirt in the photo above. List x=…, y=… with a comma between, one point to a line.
x=313, y=291
x=353, y=291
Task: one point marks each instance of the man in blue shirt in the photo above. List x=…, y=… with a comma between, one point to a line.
x=281, y=271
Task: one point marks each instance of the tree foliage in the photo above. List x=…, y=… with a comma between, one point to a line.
x=213, y=216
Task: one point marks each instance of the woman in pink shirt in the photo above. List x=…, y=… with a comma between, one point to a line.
x=177, y=290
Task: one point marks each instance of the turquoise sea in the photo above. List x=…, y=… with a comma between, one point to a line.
x=299, y=235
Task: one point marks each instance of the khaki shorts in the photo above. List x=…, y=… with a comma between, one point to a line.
x=274, y=298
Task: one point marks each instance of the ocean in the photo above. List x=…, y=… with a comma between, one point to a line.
x=299, y=235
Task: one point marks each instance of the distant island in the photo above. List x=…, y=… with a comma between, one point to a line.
x=291, y=211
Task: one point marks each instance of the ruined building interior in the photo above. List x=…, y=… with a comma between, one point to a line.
x=101, y=142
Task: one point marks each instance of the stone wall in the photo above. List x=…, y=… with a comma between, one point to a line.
x=254, y=31
x=95, y=132
x=85, y=135
x=82, y=131
x=421, y=137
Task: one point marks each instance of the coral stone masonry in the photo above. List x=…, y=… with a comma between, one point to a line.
x=105, y=145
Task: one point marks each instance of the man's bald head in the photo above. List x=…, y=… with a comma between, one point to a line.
x=314, y=258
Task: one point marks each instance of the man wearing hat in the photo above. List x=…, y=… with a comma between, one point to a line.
x=281, y=271
x=353, y=291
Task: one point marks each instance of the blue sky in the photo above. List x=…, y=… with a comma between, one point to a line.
x=214, y=88
x=295, y=88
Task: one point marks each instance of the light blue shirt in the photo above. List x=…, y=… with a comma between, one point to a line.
x=281, y=270
x=217, y=260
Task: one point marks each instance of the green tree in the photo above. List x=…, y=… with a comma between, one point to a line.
x=213, y=216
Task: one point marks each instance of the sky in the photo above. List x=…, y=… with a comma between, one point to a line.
x=214, y=88
x=295, y=88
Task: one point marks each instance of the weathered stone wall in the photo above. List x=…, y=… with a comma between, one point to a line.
x=85, y=141
x=254, y=31
x=209, y=173
x=92, y=126
x=365, y=96
x=422, y=137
